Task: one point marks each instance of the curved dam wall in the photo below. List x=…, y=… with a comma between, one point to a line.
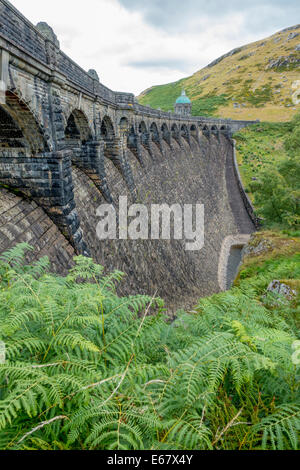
x=200, y=173
x=196, y=174
x=69, y=144
x=21, y=220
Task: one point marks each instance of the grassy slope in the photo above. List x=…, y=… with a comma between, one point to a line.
x=278, y=259
x=259, y=147
x=244, y=78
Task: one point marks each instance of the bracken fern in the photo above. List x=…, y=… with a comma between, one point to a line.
x=87, y=369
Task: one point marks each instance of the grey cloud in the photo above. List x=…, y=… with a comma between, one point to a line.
x=176, y=15
x=161, y=63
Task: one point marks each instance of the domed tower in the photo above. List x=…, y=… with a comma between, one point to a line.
x=183, y=105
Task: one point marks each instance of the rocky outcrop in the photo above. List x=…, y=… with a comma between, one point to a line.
x=229, y=54
x=284, y=62
x=279, y=288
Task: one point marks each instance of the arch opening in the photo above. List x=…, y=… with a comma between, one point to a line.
x=165, y=133
x=14, y=150
x=107, y=129
x=154, y=133
x=175, y=134
x=132, y=138
x=108, y=135
x=193, y=131
x=205, y=131
x=115, y=152
x=143, y=133
x=124, y=125
x=214, y=130
x=72, y=132
x=184, y=132
x=224, y=130
x=11, y=136
x=24, y=120
x=85, y=151
x=77, y=128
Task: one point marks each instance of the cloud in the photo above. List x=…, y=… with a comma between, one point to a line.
x=175, y=15
x=162, y=63
x=135, y=44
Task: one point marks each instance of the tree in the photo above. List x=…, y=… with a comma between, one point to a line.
x=277, y=191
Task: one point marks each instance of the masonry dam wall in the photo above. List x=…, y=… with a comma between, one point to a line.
x=192, y=174
x=69, y=144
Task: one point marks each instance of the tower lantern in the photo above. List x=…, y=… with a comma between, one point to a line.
x=183, y=105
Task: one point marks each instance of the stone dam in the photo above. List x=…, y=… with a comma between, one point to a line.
x=68, y=144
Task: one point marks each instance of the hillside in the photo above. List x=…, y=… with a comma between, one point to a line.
x=259, y=148
x=256, y=81
x=269, y=160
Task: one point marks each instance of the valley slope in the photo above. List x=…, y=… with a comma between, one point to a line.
x=255, y=81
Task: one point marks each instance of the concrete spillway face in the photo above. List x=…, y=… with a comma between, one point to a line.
x=233, y=264
x=230, y=259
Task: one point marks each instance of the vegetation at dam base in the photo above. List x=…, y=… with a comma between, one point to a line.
x=87, y=369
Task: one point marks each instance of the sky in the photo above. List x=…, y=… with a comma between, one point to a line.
x=135, y=44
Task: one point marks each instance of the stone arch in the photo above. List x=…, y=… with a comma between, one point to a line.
x=115, y=151
x=184, y=132
x=124, y=125
x=25, y=121
x=175, y=133
x=132, y=137
x=107, y=129
x=224, y=130
x=144, y=134
x=72, y=132
x=205, y=130
x=85, y=150
x=29, y=165
x=154, y=128
x=11, y=136
x=134, y=144
x=155, y=134
x=214, y=130
x=166, y=133
x=77, y=127
x=174, y=129
x=193, y=131
x=143, y=128
x=17, y=167
x=108, y=135
x=79, y=139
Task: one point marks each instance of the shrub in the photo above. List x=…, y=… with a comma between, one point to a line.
x=277, y=191
x=86, y=369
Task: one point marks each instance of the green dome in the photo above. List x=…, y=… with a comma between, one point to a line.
x=183, y=99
